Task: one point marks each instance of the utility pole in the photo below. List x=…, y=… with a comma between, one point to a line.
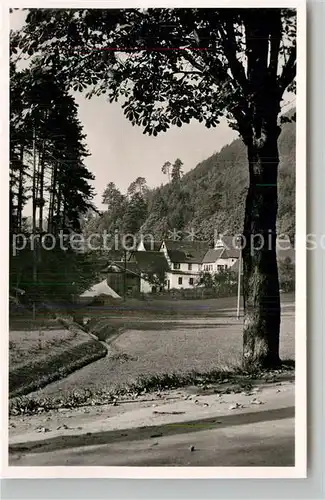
x=124, y=276
x=34, y=257
x=239, y=283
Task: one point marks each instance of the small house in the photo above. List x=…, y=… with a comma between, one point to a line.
x=185, y=262
x=152, y=268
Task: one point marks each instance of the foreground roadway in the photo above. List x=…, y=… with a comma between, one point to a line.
x=185, y=428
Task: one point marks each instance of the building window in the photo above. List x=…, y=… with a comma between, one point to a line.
x=191, y=281
x=180, y=281
x=220, y=268
x=208, y=267
x=190, y=267
x=177, y=266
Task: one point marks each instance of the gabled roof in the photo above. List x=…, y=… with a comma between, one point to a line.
x=186, y=251
x=150, y=262
x=232, y=253
x=213, y=255
x=118, y=266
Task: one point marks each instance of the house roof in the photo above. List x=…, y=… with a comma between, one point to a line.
x=231, y=253
x=213, y=255
x=118, y=266
x=186, y=251
x=149, y=262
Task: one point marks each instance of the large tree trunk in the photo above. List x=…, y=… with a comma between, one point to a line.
x=261, y=283
x=260, y=133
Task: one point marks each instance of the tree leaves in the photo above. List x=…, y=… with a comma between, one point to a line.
x=151, y=71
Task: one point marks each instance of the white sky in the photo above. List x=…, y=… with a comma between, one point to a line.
x=120, y=152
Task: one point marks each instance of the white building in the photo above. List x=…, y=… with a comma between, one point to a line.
x=185, y=262
x=223, y=256
x=152, y=268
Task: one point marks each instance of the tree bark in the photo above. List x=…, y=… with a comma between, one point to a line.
x=41, y=188
x=261, y=282
x=53, y=193
x=20, y=201
x=260, y=132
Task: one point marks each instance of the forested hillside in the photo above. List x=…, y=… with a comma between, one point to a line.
x=211, y=196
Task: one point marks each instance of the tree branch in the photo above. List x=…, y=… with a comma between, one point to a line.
x=275, y=35
x=187, y=72
x=228, y=39
x=188, y=56
x=243, y=122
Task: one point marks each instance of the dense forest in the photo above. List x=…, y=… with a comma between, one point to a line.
x=209, y=197
x=47, y=172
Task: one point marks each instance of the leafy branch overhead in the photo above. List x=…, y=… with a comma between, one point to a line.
x=168, y=66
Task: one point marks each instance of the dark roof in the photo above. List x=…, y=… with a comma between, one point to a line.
x=232, y=253
x=186, y=251
x=149, y=262
x=212, y=255
x=118, y=266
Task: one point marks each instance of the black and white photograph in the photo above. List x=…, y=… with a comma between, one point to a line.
x=157, y=237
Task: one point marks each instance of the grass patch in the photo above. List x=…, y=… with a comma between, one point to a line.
x=28, y=323
x=235, y=380
x=38, y=373
x=152, y=308
x=103, y=329
x=38, y=343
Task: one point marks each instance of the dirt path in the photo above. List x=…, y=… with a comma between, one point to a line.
x=124, y=434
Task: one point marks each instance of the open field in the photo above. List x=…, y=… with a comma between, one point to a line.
x=165, y=308
x=177, y=346
x=31, y=344
x=37, y=357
